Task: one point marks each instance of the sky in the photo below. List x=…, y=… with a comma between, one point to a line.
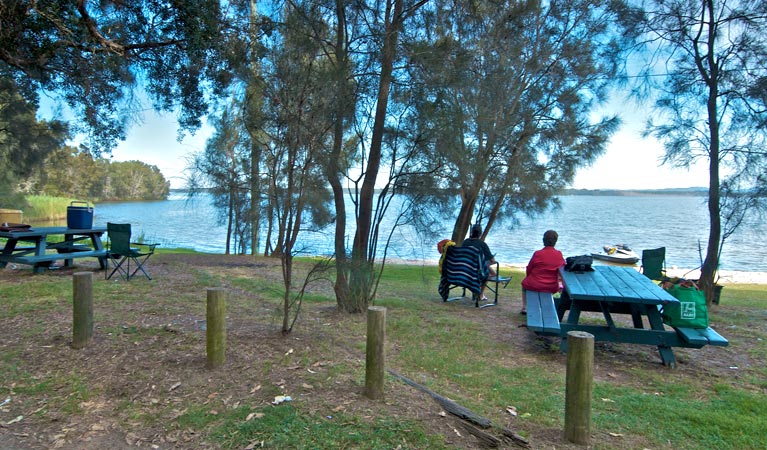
x=630, y=161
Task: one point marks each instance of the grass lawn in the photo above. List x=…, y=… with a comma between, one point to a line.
x=142, y=380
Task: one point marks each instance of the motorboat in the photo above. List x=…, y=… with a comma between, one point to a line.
x=618, y=253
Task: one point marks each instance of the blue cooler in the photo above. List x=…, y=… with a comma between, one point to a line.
x=79, y=217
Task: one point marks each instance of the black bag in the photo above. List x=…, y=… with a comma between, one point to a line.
x=578, y=264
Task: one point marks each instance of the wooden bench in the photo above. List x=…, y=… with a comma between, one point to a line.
x=40, y=262
x=699, y=337
x=542, y=313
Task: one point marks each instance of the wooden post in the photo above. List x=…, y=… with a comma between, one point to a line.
x=374, y=359
x=82, y=309
x=216, y=327
x=580, y=374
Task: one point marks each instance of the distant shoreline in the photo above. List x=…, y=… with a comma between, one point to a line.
x=691, y=191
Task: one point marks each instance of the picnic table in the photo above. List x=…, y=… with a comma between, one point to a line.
x=40, y=252
x=611, y=291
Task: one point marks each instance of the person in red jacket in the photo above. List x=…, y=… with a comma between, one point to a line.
x=542, y=273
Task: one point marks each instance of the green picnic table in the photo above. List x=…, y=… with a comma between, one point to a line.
x=67, y=244
x=614, y=290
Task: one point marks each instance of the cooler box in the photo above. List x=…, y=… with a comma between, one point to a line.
x=79, y=217
x=11, y=216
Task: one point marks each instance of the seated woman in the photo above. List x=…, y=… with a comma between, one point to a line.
x=474, y=240
x=542, y=273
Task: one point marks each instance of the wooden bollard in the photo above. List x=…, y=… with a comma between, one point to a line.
x=82, y=309
x=215, y=327
x=374, y=357
x=580, y=374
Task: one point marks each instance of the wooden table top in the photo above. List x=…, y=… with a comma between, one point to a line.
x=614, y=284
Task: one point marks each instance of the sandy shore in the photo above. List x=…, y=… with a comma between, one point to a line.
x=725, y=276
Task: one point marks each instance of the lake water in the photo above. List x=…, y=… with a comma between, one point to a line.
x=584, y=224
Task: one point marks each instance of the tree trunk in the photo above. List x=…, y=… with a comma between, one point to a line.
x=711, y=263
x=361, y=280
x=341, y=285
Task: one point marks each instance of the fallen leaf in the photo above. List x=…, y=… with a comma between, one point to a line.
x=511, y=410
x=442, y=414
x=132, y=439
x=289, y=352
x=310, y=371
x=607, y=400
x=307, y=386
x=615, y=434
x=174, y=387
x=254, y=416
x=255, y=388
x=17, y=419
x=612, y=375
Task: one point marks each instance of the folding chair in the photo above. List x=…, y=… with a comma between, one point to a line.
x=654, y=263
x=466, y=268
x=120, y=252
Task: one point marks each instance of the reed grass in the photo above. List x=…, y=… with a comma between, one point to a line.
x=46, y=208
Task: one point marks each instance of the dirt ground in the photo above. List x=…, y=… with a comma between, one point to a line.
x=153, y=358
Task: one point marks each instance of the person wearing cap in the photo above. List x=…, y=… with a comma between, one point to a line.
x=475, y=240
x=542, y=273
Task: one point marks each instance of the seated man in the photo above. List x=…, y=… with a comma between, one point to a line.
x=475, y=241
x=542, y=273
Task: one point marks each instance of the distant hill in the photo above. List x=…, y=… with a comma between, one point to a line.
x=693, y=191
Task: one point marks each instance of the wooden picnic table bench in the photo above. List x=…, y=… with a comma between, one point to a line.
x=73, y=243
x=542, y=313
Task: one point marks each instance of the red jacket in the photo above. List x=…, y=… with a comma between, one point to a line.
x=543, y=271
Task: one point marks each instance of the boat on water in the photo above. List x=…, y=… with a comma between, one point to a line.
x=618, y=253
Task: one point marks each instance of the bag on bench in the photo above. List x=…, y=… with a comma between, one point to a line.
x=690, y=312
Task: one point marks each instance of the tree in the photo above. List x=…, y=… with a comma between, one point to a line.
x=711, y=104
x=74, y=173
x=25, y=142
x=294, y=137
x=505, y=96
x=93, y=54
x=224, y=168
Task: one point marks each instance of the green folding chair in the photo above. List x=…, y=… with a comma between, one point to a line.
x=654, y=263
x=121, y=253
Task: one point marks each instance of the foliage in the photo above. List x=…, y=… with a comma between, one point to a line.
x=25, y=142
x=93, y=54
x=71, y=173
x=46, y=207
x=711, y=104
x=504, y=99
x=224, y=169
